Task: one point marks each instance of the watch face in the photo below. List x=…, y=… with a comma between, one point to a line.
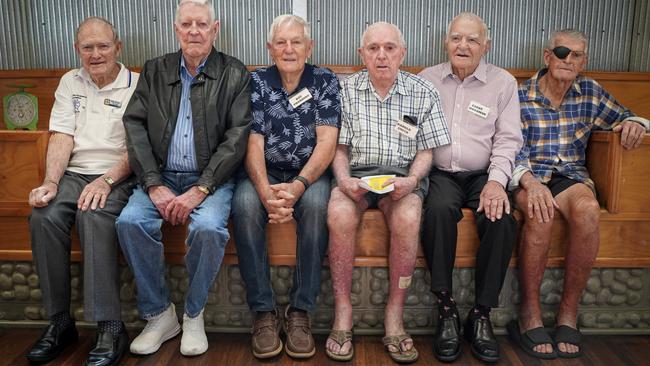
x=20, y=109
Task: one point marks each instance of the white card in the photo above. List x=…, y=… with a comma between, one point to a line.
x=296, y=99
x=407, y=129
x=375, y=183
x=478, y=109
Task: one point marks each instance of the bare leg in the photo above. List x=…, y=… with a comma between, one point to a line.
x=533, y=254
x=582, y=211
x=403, y=218
x=343, y=217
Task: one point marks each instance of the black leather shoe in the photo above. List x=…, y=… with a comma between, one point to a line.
x=446, y=341
x=484, y=344
x=52, y=343
x=109, y=349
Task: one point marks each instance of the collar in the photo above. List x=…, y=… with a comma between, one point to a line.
x=398, y=86
x=480, y=73
x=199, y=69
x=535, y=93
x=275, y=81
x=123, y=79
x=212, y=66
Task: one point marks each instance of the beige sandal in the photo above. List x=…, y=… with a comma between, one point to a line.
x=400, y=356
x=341, y=337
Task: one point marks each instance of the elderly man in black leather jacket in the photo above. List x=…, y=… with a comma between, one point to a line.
x=187, y=127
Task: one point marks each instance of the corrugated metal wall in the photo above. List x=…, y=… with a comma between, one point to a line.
x=39, y=33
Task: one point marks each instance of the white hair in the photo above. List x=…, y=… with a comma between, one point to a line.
x=372, y=26
x=473, y=17
x=207, y=4
x=569, y=33
x=283, y=19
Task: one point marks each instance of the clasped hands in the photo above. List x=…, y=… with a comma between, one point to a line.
x=279, y=200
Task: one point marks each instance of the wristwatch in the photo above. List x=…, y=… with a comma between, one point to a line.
x=108, y=181
x=203, y=189
x=302, y=180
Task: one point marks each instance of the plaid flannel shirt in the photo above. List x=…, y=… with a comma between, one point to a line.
x=555, y=140
x=368, y=123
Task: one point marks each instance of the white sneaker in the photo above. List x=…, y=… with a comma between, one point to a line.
x=158, y=329
x=194, y=342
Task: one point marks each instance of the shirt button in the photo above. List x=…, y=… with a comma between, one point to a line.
x=185, y=135
x=188, y=117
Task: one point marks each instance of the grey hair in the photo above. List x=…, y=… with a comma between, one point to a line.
x=96, y=20
x=473, y=17
x=283, y=19
x=569, y=33
x=400, y=36
x=205, y=3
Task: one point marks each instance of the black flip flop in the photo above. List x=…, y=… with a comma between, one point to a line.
x=566, y=334
x=529, y=339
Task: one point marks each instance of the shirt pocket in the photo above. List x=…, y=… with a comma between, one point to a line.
x=115, y=133
x=481, y=126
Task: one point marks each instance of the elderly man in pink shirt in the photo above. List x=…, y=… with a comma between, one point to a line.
x=481, y=108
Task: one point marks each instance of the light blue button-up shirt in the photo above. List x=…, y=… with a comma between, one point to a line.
x=182, y=155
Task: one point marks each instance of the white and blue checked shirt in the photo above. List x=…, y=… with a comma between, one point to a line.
x=182, y=154
x=368, y=122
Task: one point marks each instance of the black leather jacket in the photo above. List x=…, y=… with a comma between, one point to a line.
x=221, y=116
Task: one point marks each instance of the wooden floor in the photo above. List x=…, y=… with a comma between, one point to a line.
x=233, y=350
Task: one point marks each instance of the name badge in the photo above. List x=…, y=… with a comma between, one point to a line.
x=296, y=99
x=478, y=109
x=407, y=126
x=112, y=103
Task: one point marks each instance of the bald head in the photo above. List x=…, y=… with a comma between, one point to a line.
x=96, y=21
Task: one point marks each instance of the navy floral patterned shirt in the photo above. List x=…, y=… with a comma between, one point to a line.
x=290, y=133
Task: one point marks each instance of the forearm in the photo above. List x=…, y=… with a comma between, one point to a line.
x=322, y=155
x=255, y=163
x=341, y=163
x=421, y=164
x=121, y=170
x=59, y=150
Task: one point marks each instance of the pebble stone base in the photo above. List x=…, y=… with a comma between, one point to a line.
x=615, y=301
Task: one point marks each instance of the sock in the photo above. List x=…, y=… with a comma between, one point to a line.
x=446, y=304
x=62, y=320
x=480, y=311
x=110, y=326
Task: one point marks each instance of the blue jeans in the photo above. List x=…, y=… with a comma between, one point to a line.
x=249, y=223
x=138, y=229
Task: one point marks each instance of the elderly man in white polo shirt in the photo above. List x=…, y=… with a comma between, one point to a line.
x=85, y=184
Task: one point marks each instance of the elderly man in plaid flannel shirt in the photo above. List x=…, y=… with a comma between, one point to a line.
x=559, y=109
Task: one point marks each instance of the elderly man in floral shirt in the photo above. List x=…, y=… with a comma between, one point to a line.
x=292, y=142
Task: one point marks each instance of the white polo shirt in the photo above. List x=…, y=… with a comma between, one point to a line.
x=93, y=117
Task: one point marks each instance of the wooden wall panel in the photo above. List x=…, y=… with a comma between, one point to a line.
x=22, y=167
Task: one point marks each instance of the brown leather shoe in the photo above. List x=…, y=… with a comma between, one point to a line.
x=266, y=341
x=297, y=326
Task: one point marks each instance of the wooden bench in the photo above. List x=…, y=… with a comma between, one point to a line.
x=621, y=178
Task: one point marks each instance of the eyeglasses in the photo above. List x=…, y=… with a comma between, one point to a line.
x=562, y=52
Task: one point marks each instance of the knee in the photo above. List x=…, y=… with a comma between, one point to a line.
x=341, y=218
x=313, y=206
x=586, y=212
x=42, y=217
x=437, y=207
x=128, y=218
x=246, y=204
x=405, y=221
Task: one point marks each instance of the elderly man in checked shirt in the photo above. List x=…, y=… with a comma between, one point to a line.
x=391, y=120
x=559, y=109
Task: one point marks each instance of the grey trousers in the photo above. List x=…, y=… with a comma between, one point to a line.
x=50, y=228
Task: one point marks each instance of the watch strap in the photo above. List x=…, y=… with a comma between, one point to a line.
x=302, y=180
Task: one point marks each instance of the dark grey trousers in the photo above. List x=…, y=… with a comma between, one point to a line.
x=50, y=228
